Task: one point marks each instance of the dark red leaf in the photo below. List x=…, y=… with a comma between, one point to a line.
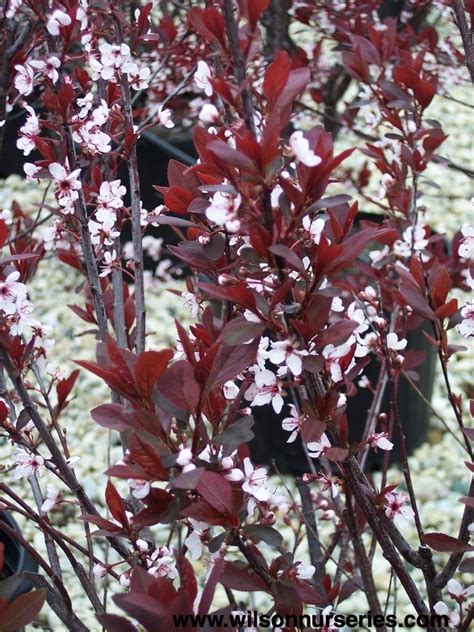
x=203, y=512
x=240, y=330
x=3, y=232
x=217, y=491
x=210, y=587
x=276, y=75
x=336, y=334
x=238, y=576
x=291, y=257
x=415, y=299
x=445, y=543
x=145, y=455
x=115, y=504
x=23, y=610
x=114, y=623
x=64, y=387
x=239, y=294
x=110, y=416
x=150, y=365
x=229, y=361
x=179, y=386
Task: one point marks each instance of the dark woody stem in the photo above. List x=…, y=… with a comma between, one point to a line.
x=239, y=63
x=357, y=483
x=466, y=35
x=362, y=559
x=135, y=200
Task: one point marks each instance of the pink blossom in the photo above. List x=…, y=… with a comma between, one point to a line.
x=256, y=482
x=137, y=76
x=223, y=211
x=202, y=77
x=185, y=459
x=56, y=20
x=457, y=592
x=110, y=195
x=285, y=352
x=30, y=170
x=11, y=293
x=208, y=114
x=314, y=227
x=397, y=507
x=300, y=147
x=24, y=79
x=265, y=390
x=164, y=118
x=52, y=234
x=108, y=263
x=99, y=570
x=26, y=464
x=318, y=448
x=305, y=572
x=52, y=496
x=163, y=564
x=466, y=326
x=194, y=541
x=230, y=390
x=140, y=489
x=466, y=246
x=48, y=67
x=333, y=356
x=293, y=423
x=394, y=343
x=102, y=229
x=412, y=240
x=28, y=132
x=113, y=57
x=379, y=440
x=442, y=609
x=190, y=301
x=67, y=185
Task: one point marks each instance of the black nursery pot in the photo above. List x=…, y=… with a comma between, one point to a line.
x=16, y=560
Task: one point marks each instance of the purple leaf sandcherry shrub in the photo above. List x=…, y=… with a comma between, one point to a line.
x=291, y=293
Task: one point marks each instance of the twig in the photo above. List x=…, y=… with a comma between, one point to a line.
x=362, y=560
x=315, y=552
x=430, y=406
x=239, y=63
x=132, y=166
x=455, y=558
x=466, y=35
x=90, y=259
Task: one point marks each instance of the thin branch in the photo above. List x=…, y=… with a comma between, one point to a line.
x=315, y=551
x=132, y=166
x=466, y=35
x=239, y=63
x=362, y=560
